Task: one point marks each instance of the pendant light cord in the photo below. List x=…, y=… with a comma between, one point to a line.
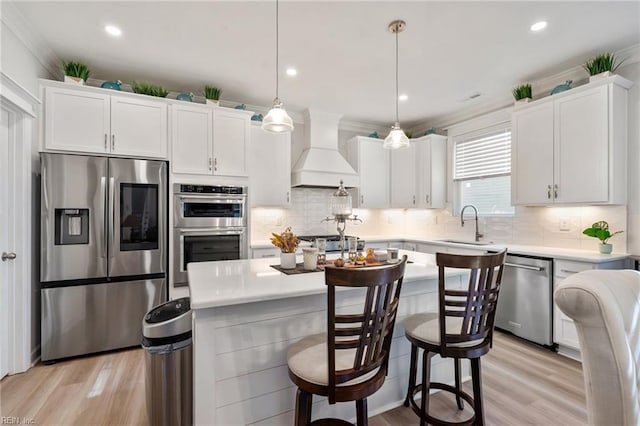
x=397, y=93
x=277, y=49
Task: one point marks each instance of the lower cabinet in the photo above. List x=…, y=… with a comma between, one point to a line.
x=257, y=253
x=564, y=331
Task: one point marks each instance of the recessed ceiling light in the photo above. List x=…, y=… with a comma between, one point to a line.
x=113, y=30
x=403, y=97
x=292, y=72
x=539, y=26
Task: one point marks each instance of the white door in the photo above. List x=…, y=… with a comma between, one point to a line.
x=374, y=174
x=403, y=177
x=138, y=127
x=5, y=242
x=269, y=168
x=191, y=139
x=230, y=141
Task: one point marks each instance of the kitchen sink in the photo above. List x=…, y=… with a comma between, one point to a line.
x=473, y=243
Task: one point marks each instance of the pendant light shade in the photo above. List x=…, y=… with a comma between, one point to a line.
x=396, y=139
x=277, y=120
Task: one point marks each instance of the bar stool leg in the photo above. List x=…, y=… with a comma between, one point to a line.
x=476, y=375
x=426, y=384
x=412, y=374
x=303, y=408
x=361, y=412
x=459, y=401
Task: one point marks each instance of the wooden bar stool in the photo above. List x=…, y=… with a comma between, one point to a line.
x=462, y=328
x=349, y=362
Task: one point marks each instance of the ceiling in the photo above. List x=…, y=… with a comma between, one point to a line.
x=342, y=50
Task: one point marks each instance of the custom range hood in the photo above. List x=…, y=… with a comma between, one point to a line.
x=321, y=164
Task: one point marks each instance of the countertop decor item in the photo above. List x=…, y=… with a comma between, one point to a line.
x=113, y=85
x=212, y=93
x=75, y=72
x=287, y=242
x=150, y=89
x=522, y=93
x=602, y=65
x=341, y=209
x=187, y=97
x=396, y=139
x=277, y=120
x=600, y=230
x=562, y=87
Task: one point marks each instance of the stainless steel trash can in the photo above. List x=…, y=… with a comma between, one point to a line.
x=167, y=341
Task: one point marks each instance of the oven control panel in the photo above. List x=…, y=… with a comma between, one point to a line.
x=209, y=189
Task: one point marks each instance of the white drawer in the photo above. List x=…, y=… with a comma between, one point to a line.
x=565, y=268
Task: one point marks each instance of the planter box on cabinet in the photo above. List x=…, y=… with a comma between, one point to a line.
x=571, y=148
x=84, y=119
x=269, y=168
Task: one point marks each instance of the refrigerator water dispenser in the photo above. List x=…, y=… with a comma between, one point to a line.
x=72, y=226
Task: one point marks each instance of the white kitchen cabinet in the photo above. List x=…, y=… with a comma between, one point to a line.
x=138, y=127
x=564, y=331
x=191, y=136
x=404, y=179
x=571, y=148
x=90, y=121
x=230, y=141
x=258, y=253
x=431, y=171
x=269, y=168
x=209, y=141
x=372, y=162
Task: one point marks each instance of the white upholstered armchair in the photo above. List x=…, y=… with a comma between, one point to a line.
x=605, y=306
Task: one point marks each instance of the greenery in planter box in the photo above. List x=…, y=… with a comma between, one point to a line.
x=76, y=69
x=522, y=92
x=600, y=230
x=144, y=88
x=601, y=63
x=212, y=92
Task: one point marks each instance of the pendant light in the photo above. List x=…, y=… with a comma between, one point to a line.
x=277, y=120
x=396, y=138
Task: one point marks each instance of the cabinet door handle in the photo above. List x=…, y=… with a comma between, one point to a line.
x=426, y=199
x=414, y=200
x=549, y=192
x=287, y=196
x=210, y=164
x=555, y=191
x=106, y=141
x=361, y=199
x=568, y=271
x=215, y=164
x=113, y=142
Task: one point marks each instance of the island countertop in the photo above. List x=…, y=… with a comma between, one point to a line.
x=233, y=282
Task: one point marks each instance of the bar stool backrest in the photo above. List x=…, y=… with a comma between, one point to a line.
x=369, y=331
x=467, y=315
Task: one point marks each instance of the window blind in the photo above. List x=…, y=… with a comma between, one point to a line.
x=483, y=156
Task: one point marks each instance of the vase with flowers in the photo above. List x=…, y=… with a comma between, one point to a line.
x=600, y=230
x=287, y=242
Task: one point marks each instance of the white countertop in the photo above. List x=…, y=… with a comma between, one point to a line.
x=552, y=252
x=233, y=282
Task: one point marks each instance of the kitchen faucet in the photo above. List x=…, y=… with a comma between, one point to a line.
x=478, y=234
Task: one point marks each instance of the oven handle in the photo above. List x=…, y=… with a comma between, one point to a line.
x=199, y=232
x=212, y=200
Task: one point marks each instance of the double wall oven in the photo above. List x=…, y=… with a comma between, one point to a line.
x=210, y=223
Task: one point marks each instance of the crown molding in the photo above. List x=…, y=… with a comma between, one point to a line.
x=14, y=92
x=33, y=41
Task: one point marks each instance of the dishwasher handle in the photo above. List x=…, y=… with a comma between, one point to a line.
x=531, y=268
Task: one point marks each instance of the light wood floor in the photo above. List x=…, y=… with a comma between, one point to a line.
x=522, y=383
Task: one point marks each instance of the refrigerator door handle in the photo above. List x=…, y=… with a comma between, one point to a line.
x=111, y=216
x=105, y=200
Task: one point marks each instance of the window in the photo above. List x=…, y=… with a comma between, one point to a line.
x=482, y=171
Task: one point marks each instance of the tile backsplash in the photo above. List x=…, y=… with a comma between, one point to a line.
x=541, y=226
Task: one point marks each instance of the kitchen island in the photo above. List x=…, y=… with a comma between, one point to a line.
x=246, y=314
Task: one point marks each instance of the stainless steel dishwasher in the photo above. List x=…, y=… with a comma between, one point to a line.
x=525, y=305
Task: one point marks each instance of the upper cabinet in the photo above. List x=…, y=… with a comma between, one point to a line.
x=269, y=168
x=209, y=140
x=418, y=173
x=372, y=162
x=89, y=120
x=571, y=148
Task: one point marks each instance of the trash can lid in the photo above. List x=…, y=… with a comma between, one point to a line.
x=169, y=319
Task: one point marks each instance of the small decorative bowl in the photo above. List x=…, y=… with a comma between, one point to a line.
x=113, y=85
x=187, y=97
x=374, y=135
x=256, y=117
x=562, y=87
x=241, y=106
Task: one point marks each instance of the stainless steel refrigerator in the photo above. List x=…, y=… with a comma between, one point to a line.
x=103, y=251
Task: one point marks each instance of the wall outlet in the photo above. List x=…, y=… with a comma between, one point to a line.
x=564, y=224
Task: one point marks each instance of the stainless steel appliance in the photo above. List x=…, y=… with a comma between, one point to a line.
x=333, y=241
x=210, y=224
x=525, y=304
x=103, y=251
